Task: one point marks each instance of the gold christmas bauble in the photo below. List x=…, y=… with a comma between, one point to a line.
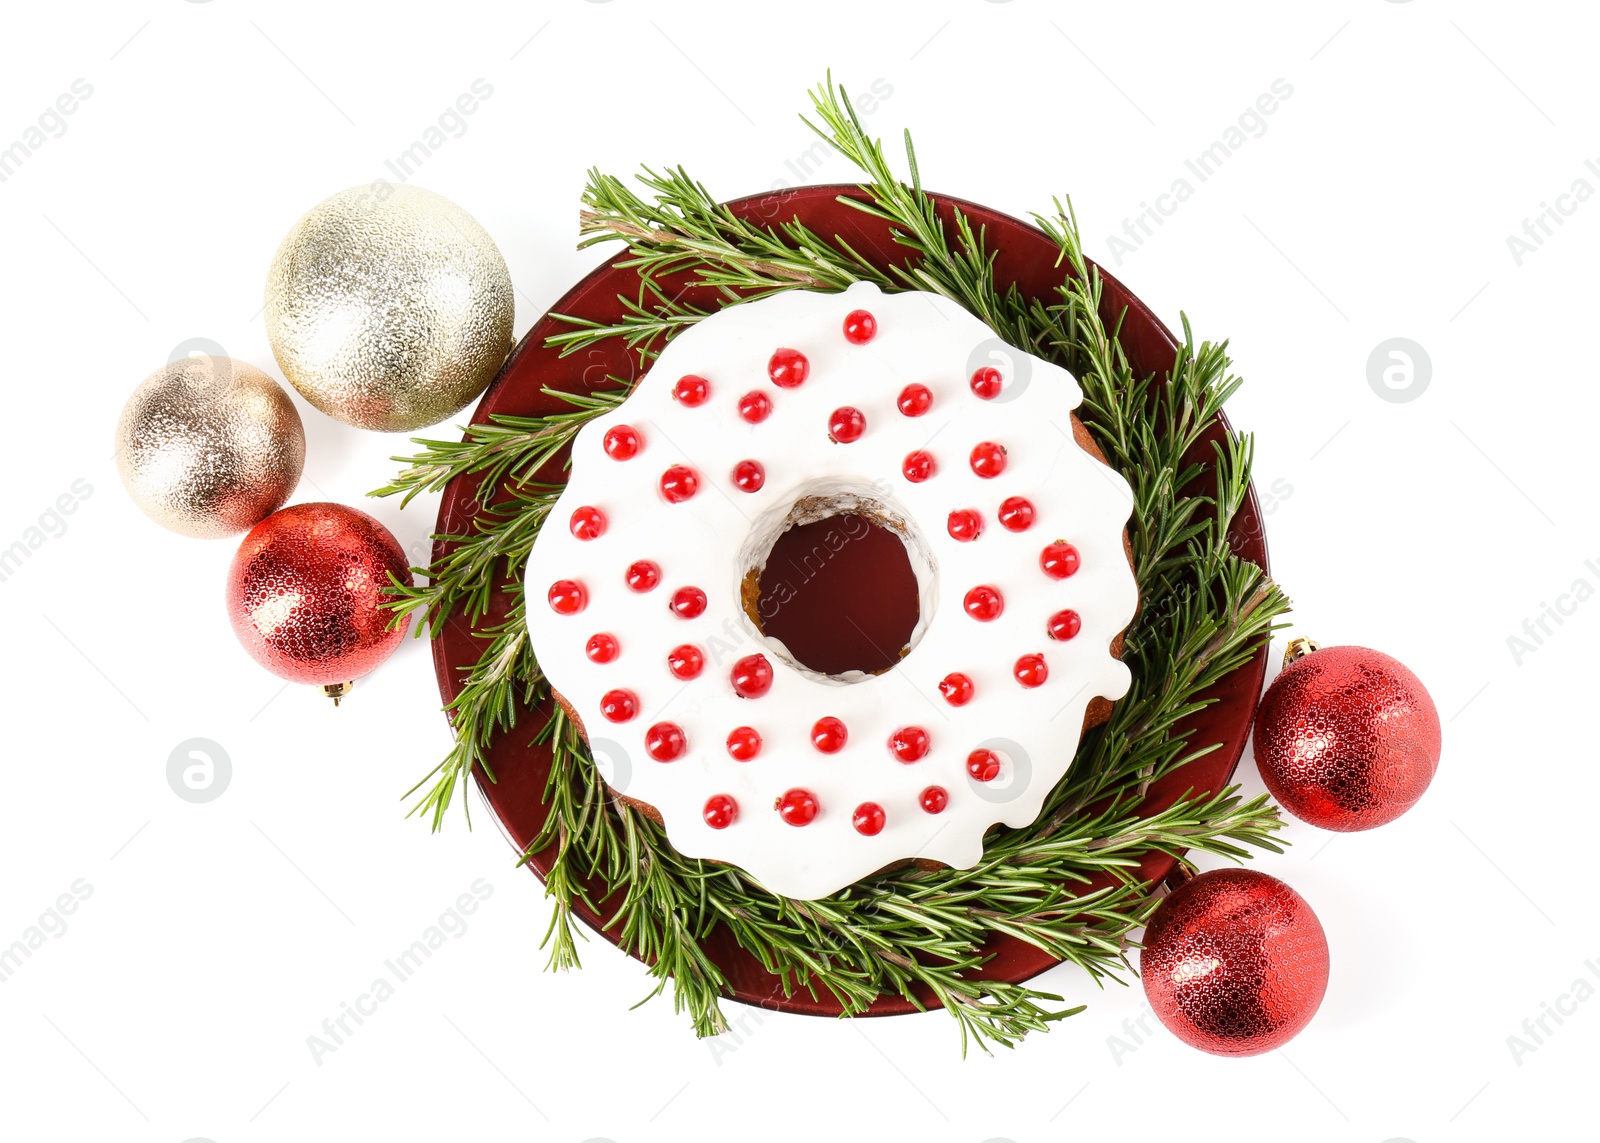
x=210, y=446
x=389, y=307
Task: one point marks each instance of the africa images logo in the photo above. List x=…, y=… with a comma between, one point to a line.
x=51, y=124
x=50, y=525
x=1251, y=123
x=199, y=770
x=450, y=925
x=51, y=924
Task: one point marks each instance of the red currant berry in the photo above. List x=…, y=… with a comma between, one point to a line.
x=601, y=648
x=686, y=661
x=986, y=382
x=665, y=741
x=679, y=483
x=749, y=476
x=743, y=743
x=755, y=406
x=691, y=390
x=1059, y=560
x=1031, y=671
x=965, y=525
x=1016, y=514
x=828, y=735
x=984, y=765
x=915, y=400
x=721, y=811
x=918, y=466
x=860, y=327
x=956, y=688
x=988, y=459
x=868, y=819
x=751, y=676
x=688, y=603
x=644, y=575
x=568, y=597
x=1065, y=624
x=934, y=799
x=984, y=603
x=788, y=368
x=588, y=523
x=846, y=424
x=797, y=807
x=622, y=442
x=909, y=743
x=619, y=705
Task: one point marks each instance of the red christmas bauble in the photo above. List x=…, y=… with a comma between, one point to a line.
x=305, y=594
x=1235, y=963
x=1346, y=737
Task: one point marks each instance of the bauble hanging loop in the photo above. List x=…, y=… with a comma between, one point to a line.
x=337, y=691
x=1346, y=737
x=1299, y=647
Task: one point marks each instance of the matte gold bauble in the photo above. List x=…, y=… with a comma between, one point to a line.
x=210, y=446
x=389, y=307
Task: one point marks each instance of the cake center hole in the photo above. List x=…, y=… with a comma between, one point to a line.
x=840, y=593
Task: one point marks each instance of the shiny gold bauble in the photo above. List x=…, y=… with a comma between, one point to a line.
x=389, y=307
x=210, y=446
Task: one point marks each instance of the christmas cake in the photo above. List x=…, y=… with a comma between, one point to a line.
x=648, y=618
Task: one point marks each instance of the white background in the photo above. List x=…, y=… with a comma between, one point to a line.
x=1376, y=204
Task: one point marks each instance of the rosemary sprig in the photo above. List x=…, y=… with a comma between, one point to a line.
x=496, y=684
x=1068, y=883
x=862, y=942
x=504, y=454
x=506, y=449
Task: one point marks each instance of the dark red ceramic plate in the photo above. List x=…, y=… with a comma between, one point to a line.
x=1025, y=256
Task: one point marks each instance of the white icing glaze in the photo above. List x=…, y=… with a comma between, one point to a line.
x=714, y=538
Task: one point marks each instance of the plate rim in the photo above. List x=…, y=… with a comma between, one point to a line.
x=1023, y=961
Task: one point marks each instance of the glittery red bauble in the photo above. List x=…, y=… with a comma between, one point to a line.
x=1234, y=963
x=305, y=593
x=1347, y=738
